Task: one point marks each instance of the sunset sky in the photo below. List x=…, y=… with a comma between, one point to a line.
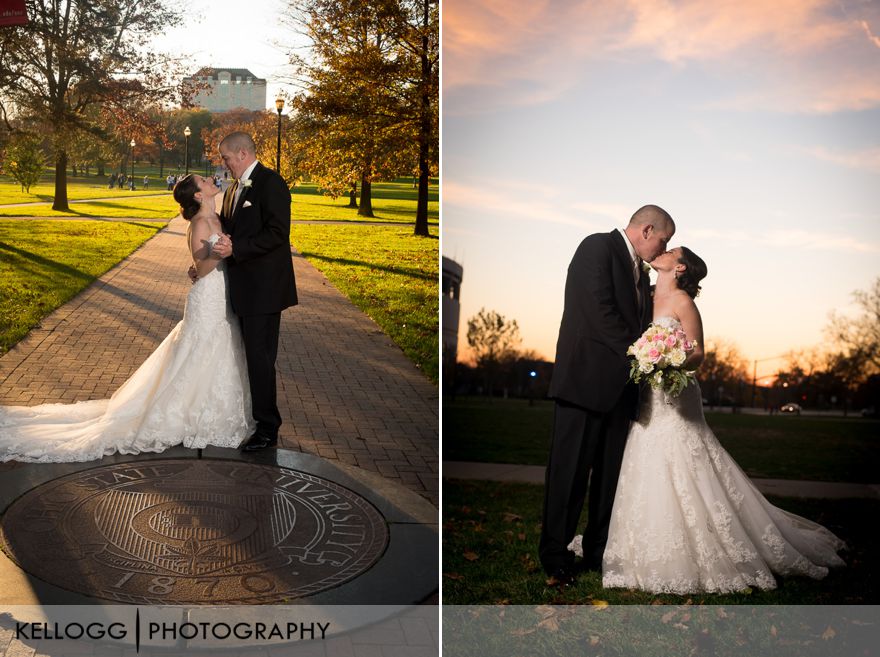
x=755, y=124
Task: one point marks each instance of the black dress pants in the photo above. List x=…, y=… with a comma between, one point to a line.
x=260, y=335
x=587, y=448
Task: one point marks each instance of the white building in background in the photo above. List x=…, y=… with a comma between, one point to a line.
x=450, y=312
x=226, y=89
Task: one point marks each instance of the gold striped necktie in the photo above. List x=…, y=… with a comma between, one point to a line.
x=229, y=201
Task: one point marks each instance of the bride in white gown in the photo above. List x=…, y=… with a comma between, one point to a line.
x=193, y=390
x=686, y=518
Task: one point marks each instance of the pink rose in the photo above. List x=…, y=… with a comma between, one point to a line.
x=654, y=355
x=670, y=341
x=657, y=338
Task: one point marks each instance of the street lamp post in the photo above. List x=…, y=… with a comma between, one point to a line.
x=755, y=374
x=207, y=157
x=279, y=105
x=131, y=157
x=186, y=133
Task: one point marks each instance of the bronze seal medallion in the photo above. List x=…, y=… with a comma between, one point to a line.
x=194, y=531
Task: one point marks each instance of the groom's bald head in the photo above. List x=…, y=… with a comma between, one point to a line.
x=653, y=215
x=239, y=141
x=649, y=231
x=238, y=152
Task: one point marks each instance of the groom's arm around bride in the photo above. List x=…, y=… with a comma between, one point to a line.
x=256, y=216
x=607, y=306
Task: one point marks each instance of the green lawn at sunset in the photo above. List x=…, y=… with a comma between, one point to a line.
x=778, y=446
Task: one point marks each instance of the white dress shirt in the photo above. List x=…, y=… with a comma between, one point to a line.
x=636, y=260
x=245, y=176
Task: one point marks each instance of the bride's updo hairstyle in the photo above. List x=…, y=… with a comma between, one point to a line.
x=185, y=194
x=689, y=279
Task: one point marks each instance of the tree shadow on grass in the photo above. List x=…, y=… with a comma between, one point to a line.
x=39, y=268
x=101, y=204
x=30, y=261
x=408, y=213
x=136, y=223
x=361, y=221
x=403, y=271
x=380, y=191
x=131, y=221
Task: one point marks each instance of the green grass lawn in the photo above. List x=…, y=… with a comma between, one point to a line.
x=490, y=552
x=386, y=272
x=394, y=202
x=115, y=202
x=149, y=208
x=77, y=189
x=784, y=447
x=43, y=264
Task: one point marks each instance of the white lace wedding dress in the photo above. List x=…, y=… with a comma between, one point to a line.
x=193, y=390
x=686, y=518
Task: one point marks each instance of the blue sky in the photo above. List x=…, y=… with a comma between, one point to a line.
x=756, y=125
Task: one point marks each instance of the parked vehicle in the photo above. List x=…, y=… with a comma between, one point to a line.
x=871, y=411
x=790, y=408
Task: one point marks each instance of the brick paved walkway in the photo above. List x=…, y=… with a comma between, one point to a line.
x=346, y=392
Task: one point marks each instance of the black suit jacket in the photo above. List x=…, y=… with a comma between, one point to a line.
x=261, y=279
x=601, y=318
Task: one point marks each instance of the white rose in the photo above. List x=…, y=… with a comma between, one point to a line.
x=677, y=357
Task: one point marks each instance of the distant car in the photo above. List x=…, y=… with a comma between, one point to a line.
x=871, y=411
x=790, y=408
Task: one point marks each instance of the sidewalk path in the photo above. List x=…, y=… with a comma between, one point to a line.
x=346, y=392
x=534, y=474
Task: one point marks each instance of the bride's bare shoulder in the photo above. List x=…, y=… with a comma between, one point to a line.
x=684, y=305
x=198, y=233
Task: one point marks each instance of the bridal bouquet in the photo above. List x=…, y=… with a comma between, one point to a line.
x=658, y=356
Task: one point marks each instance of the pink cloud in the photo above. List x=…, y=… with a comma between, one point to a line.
x=868, y=159
x=871, y=37
x=694, y=29
x=533, y=50
x=543, y=204
x=793, y=55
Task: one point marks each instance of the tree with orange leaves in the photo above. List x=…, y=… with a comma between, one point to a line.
x=75, y=55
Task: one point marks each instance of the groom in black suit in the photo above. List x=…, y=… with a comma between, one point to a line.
x=607, y=307
x=256, y=220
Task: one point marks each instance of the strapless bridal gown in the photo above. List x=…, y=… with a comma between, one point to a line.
x=686, y=518
x=193, y=390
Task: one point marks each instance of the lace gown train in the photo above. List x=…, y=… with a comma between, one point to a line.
x=687, y=519
x=192, y=390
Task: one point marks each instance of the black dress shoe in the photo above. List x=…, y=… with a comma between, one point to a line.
x=256, y=442
x=591, y=565
x=562, y=578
